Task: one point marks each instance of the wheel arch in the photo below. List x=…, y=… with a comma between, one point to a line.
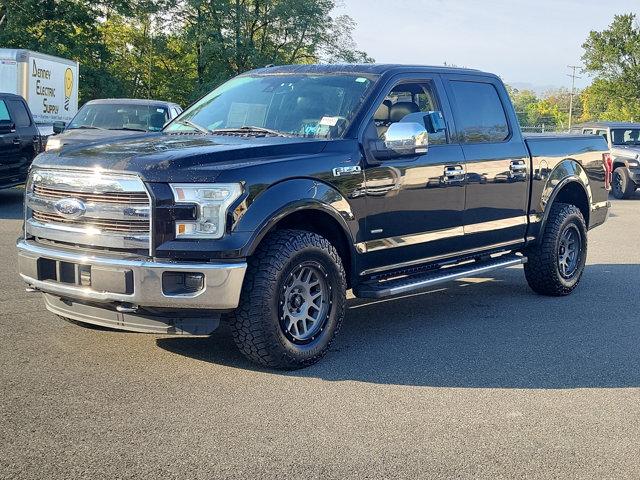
x=304, y=204
x=567, y=183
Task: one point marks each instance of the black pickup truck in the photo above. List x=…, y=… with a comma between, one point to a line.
x=271, y=196
x=20, y=140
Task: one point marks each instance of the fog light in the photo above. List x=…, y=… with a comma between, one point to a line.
x=182, y=283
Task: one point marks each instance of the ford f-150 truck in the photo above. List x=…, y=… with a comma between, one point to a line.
x=266, y=200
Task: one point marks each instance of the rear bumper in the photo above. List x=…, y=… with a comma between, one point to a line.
x=126, y=284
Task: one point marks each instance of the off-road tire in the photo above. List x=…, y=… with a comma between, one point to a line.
x=542, y=269
x=256, y=324
x=622, y=186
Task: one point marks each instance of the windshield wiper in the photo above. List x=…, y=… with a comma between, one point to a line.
x=250, y=129
x=193, y=125
x=129, y=129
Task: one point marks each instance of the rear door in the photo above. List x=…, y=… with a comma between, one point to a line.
x=497, y=162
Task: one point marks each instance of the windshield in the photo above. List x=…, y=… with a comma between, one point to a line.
x=625, y=136
x=313, y=106
x=113, y=116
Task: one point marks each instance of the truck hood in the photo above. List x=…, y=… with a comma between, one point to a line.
x=163, y=157
x=626, y=151
x=78, y=136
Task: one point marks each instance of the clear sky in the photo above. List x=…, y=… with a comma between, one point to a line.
x=525, y=42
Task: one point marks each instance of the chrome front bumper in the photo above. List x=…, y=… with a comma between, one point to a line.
x=143, y=280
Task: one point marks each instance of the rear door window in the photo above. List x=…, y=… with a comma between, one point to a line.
x=480, y=116
x=20, y=114
x=603, y=133
x=4, y=111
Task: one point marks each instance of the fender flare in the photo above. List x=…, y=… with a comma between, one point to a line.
x=565, y=172
x=621, y=159
x=289, y=196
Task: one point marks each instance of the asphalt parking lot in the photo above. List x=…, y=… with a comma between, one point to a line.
x=479, y=379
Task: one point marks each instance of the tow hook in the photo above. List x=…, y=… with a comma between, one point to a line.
x=127, y=308
x=31, y=289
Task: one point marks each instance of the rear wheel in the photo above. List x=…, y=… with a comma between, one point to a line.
x=292, y=302
x=555, y=265
x=621, y=184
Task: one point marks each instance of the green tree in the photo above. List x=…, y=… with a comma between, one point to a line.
x=232, y=36
x=176, y=49
x=68, y=28
x=613, y=56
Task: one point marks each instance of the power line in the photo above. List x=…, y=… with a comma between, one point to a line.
x=573, y=89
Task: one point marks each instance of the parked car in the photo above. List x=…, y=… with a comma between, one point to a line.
x=20, y=140
x=623, y=139
x=111, y=119
x=274, y=194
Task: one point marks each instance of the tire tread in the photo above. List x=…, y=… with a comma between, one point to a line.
x=250, y=331
x=540, y=269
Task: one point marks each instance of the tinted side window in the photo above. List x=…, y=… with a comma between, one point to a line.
x=409, y=102
x=4, y=111
x=480, y=115
x=20, y=113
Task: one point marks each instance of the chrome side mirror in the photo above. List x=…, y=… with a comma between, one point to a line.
x=407, y=138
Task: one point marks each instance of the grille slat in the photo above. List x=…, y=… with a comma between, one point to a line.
x=116, y=212
x=117, y=226
x=124, y=198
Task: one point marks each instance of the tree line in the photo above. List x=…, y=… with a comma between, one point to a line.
x=176, y=50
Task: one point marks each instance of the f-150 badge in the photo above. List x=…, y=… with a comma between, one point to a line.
x=341, y=171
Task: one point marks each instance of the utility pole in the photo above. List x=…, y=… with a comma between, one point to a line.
x=573, y=89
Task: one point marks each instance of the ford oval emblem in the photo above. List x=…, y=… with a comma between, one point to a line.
x=70, y=208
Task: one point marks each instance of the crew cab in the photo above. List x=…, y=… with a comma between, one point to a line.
x=271, y=196
x=624, y=145
x=20, y=140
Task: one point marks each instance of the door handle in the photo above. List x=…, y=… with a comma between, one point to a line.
x=518, y=166
x=453, y=171
x=16, y=141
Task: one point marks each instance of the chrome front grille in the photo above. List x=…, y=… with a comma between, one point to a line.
x=88, y=209
x=111, y=226
x=121, y=198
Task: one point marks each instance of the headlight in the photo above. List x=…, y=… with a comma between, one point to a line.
x=53, y=144
x=213, y=201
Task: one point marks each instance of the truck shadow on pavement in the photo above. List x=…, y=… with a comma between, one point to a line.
x=484, y=333
x=11, y=201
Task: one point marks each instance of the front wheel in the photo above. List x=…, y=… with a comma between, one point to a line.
x=555, y=265
x=621, y=185
x=292, y=302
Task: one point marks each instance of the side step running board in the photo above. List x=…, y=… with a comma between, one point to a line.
x=396, y=286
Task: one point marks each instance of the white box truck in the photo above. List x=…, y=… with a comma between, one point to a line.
x=49, y=85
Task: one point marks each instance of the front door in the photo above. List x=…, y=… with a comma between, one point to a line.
x=25, y=139
x=415, y=204
x=9, y=143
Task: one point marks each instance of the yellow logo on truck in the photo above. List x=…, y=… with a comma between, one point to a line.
x=68, y=87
